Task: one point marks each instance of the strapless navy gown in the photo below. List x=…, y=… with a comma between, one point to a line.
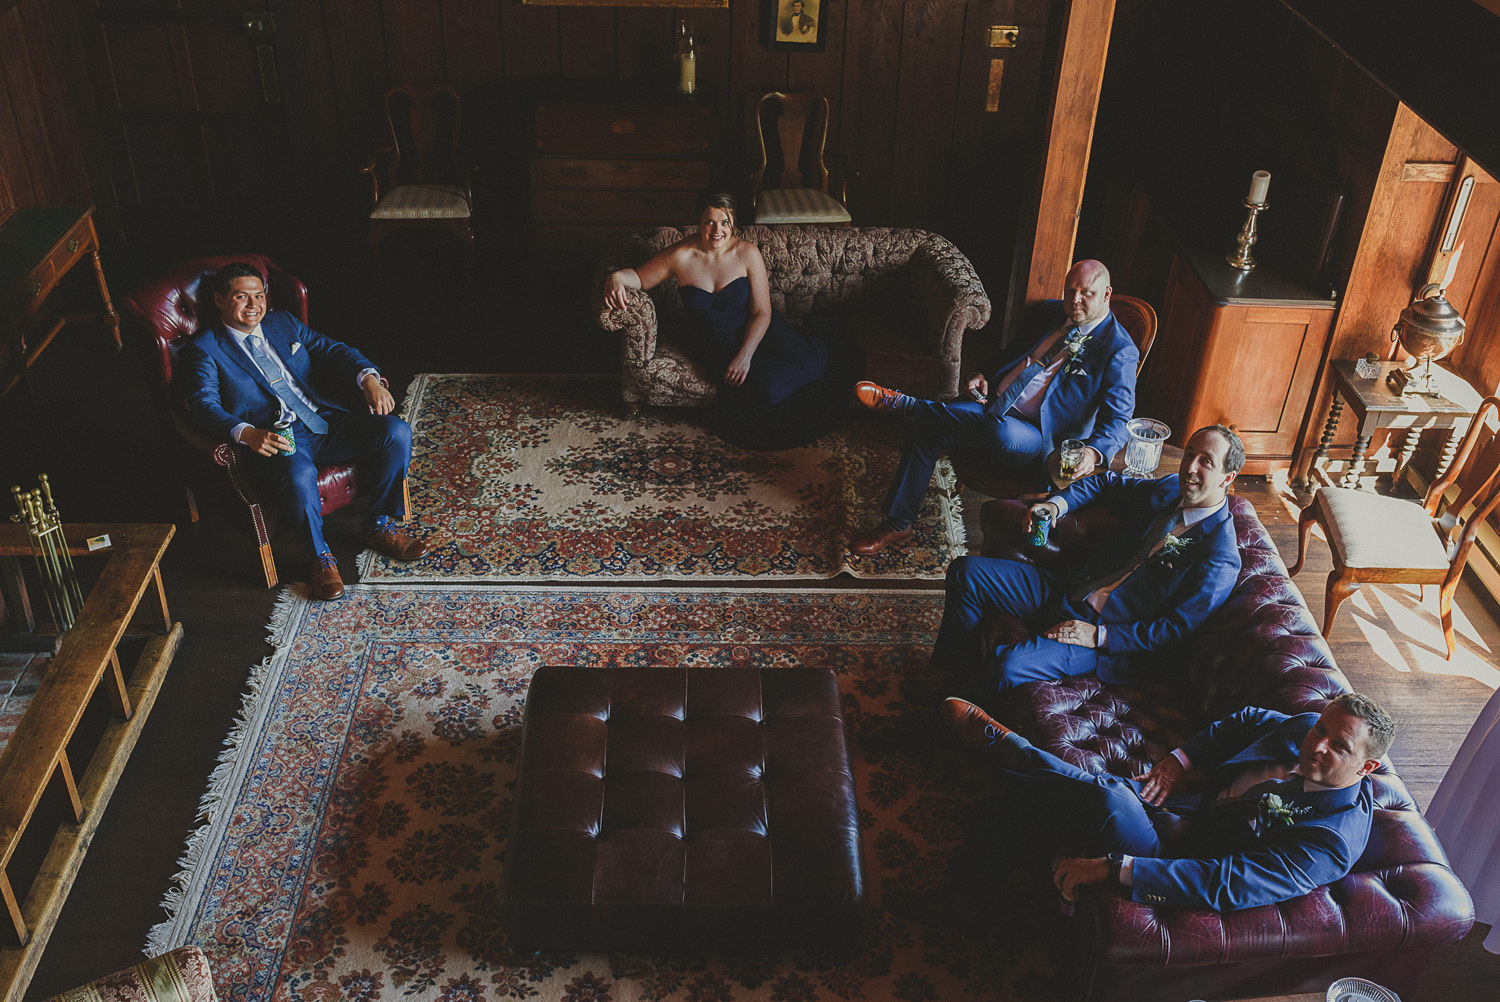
x=799, y=381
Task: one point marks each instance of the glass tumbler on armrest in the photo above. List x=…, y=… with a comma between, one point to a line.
x=1143, y=448
x=1069, y=455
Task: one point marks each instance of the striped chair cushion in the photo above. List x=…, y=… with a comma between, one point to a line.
x=423, y=201
x=179, y=976
x=798, y=205
x=1372, y=530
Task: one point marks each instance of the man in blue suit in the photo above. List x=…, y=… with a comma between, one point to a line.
x=1172, y=561
x=256, y=370
x=1074, y=377
x=1283, y=807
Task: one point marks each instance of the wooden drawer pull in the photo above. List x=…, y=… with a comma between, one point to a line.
x=36, y=289
x=571, y=172
x=73, y=246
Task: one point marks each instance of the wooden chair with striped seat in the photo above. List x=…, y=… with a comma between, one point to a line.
x=421, y=180
x=801, y=194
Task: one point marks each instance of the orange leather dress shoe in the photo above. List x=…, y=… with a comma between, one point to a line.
x=975, y=728
x=324, y=579
x=394, y=542
x=875, y=396
x=872, y=541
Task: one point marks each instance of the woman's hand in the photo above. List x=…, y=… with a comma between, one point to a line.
x=618, y=295
x=739, y=369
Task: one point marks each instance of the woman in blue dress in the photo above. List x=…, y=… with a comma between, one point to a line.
x=778, y=387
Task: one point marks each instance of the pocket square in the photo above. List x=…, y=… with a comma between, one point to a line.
x=296, y=347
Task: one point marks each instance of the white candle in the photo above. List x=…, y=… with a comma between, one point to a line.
x=1260, y=183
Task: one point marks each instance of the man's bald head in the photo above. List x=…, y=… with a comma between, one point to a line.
x=1086, y=292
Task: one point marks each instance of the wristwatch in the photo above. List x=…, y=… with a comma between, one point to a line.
x=1116, y=860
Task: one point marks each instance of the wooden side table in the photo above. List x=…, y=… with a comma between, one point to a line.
x=38, y=246
x=1377, y=406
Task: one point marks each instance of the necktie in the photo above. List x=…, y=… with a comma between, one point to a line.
x=1007, y=396
x=1160, y=529
x=256, y=344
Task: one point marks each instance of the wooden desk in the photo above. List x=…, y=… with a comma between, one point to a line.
x=35, y=759
x=1378, y=407
x=38, y=246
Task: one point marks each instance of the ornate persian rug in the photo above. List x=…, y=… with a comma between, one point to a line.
x=356, y=823
x=542, y=478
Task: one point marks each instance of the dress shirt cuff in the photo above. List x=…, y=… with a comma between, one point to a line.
x=237, y=430
x=1098, y=456
x=1180, y=757
x=1057, y=502
x=1101, y=638
x=359, y=380
x=1127, y=871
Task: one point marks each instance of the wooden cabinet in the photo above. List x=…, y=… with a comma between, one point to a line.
x=604, y=164
x=1237, y=349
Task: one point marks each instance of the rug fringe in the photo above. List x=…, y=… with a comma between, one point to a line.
x=286, y=615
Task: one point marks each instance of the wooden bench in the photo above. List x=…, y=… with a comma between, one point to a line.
x=35, y=759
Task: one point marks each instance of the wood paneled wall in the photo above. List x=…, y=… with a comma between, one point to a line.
x=906, y=80
x=41, y=148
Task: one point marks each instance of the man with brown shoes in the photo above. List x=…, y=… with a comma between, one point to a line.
x=1073, y=377
x=296, y=399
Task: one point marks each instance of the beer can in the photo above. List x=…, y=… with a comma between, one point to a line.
x=284, y=429
x=1041, y=527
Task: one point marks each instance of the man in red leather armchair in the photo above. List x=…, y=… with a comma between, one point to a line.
x=257, y=370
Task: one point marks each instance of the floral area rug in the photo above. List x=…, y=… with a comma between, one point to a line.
x=543, y=478
x=357, y=820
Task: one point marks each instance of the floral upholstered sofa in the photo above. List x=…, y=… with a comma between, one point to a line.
x=1382, y=921
x=907, y=296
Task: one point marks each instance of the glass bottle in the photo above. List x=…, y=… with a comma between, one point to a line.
x=687, y=63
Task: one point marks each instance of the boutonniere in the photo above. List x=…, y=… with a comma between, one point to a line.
x=296, y=347
x=1172, y=548
x=1075, y=344
x=1273, y=812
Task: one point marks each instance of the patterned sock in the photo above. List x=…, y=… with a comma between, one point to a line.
x=381, y=521
x=326, y=560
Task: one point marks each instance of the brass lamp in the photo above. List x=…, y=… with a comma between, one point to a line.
x=1428, y=329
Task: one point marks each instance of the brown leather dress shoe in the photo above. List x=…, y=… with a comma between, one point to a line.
x=875, y=396
x=324, y=579
x=394, y=542
x=872, y=541
x=974, y=727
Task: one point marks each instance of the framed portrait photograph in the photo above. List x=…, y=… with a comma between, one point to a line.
x=794, y=25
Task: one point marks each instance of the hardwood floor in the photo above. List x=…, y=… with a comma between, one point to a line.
x=99, y=438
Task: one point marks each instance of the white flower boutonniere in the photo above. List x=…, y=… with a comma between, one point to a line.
x=1273, y=812
x=1172, y=549
x=1075, y=344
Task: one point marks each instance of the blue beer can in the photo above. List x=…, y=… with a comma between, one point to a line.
x=1041, y=527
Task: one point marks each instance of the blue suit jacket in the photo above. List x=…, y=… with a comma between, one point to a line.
x=1229, y=869
x=1165, y=599
x=222, y=387
x=1092, y=405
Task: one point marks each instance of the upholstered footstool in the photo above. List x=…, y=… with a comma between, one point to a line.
x=682, y=808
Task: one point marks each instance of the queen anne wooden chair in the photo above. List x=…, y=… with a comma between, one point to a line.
x=1385, y=539
x=421, y=180
x=975, y=469
x=801, y=195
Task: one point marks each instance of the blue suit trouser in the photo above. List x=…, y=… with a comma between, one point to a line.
x=1043, y=803
x=977, y=585
x=380, y=442
x=1011, y=440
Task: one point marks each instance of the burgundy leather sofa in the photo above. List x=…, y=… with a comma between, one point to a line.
x=1382, y=921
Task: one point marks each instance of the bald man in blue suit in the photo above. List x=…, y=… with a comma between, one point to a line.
x=1284, y=806
x=1073, y=377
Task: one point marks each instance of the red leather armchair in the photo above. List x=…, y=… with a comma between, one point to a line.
x=1382, y=921
x=160, y=316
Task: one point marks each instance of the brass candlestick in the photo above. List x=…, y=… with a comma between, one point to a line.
x=1241, y=257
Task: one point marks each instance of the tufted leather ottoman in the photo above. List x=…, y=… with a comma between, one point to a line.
x=668, y=807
